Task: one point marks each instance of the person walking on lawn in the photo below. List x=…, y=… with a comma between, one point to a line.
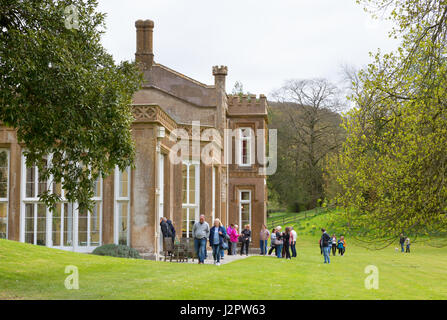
x=325, y=239
x=246, y=236
x=407, y=245
x=201, y=232
x=402, y=242
x=217, y=236
x=293, y=243
x=334, y=244
x=341, y=245
x=234, y=238
x=263, y=238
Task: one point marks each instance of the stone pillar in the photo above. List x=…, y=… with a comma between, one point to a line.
x=15, y=162
x=143, y=211
x=108, y=209
x=220, y=74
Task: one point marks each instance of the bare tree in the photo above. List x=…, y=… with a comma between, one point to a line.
x=311, y=113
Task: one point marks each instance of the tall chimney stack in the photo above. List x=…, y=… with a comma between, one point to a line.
x=144, y=55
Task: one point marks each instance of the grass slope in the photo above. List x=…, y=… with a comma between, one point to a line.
x=31, y=272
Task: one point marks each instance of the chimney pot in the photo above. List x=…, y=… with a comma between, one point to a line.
x=144, y=54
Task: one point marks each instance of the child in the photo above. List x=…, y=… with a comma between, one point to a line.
x=341, y=246
x=407, y=245
x=334, y=244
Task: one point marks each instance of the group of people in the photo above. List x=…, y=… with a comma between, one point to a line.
x=330, y=243
x=282, y=243
x=220, y=239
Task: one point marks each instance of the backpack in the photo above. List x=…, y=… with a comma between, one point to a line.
x=325, y=239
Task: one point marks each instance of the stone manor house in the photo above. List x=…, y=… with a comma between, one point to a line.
x=129, y=204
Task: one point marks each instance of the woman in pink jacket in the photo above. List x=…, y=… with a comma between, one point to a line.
x=234, y=237
x=229, y=231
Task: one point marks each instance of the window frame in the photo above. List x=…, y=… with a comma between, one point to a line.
x=34, y=200
x=188, y=206
x=118, y=200
x=241, y=202
x=6, y=199
x=249, y=139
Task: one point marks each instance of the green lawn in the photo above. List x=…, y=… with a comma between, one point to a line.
x=31, y=272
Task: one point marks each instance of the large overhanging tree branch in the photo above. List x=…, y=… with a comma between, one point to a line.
x=394, y=164
x=64, y=94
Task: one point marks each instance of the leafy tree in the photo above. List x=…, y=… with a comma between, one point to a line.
x=64, y=94
x=393, y=169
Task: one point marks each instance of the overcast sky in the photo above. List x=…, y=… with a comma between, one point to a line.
x=262, y=42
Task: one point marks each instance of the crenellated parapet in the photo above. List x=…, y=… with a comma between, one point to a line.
x=247, y=100
x=220, y=70
x=247, y=104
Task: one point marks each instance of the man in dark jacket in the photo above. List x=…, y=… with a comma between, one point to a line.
x=246, y=236
x=165, y=231
x=164, y=227
x=325, y=239
x=171, y=229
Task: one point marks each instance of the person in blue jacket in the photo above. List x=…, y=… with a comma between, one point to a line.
x=217, y=236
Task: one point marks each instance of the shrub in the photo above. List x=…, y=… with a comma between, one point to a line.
x=113, y=250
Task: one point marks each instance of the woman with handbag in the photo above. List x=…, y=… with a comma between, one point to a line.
x=217, y=236
x=272, y=242
x=225, y=245
x=279, y=242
